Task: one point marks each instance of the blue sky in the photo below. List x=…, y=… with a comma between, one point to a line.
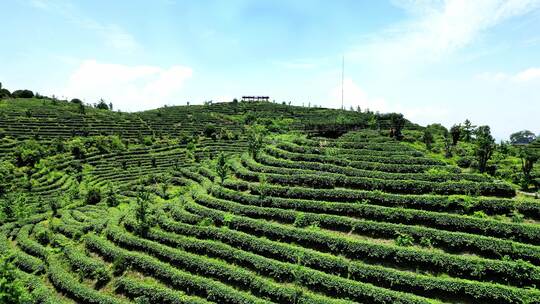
x=434, y=61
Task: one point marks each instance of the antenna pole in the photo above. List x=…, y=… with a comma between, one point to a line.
x=342, y=79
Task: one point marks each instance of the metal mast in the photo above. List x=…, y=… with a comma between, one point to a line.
x=342, y=79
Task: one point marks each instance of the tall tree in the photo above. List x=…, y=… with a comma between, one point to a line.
x=397, y=122
x=455, y=131
x=82, y=109
x=529, y=155
x=255, y=136
x=222, y=168
x=142, y=215
x=467, y=131
x=485, y=145
x=427, y=138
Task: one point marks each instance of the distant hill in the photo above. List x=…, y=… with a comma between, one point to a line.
x=44, y=118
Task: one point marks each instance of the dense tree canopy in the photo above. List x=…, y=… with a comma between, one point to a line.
x=485, y=145
x=522, y=137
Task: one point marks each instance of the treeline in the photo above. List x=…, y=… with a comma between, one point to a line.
x=474, y=148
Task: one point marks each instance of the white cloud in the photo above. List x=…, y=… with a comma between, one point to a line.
x=129, y=88
x=355, y=96
x=438, y=28
x=525, y=76
x=528, y=75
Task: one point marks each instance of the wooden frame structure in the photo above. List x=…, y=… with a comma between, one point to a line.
x=255, y=98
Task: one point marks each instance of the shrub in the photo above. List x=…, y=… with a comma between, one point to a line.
x=464, y=162
x=22, y=94
x=4, y=93
x=112, y=198
x=11, y=289
x=93, y=196
x=404, y=240
x=210, y=131
x=102, y=105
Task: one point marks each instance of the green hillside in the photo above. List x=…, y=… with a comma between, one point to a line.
x=247, y=202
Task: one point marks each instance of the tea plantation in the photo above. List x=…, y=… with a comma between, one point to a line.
x=248, y=202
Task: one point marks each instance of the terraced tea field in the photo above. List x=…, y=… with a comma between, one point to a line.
x=361, y=218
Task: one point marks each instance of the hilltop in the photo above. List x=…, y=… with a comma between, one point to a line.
x=258, y=202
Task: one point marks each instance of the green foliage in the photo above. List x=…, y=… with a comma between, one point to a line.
x=54, y=205
x=102, y=105
x=255, y=137
x=111, y=198
x=404, y=240
x=529, y=155
x=427, y=138
x=210, y=131
x=522, y=137
x=12, y=290
x=517, y=217
x=397, y=122
x=29, y=153
x=22, y=94
x=93, y=196
x=301, y=220
x=7, y=170
x=17, y=206
x=485, y=145
x=143, y=212
x=77, y=148
x=467, y=131
x=148, y=140
x=4, y=93
x=455, y=132
x=222, y=167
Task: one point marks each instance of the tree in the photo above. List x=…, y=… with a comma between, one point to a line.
x=110, y=106
x=82, y=109
x=7, y=170
x=102, y=105
x=17, y=206
x=447, y=146
x=522, y=137
x=93, y=196
x=191, y=150
x=427, y=138
x=22, y=94
x=222, y=168
x=455, y=131
x=29, y=153
x=54, y=205
x=142, y=215
x=255, y=137
x=467, y=131
x=111, y=199
x=210, y=131
x=485, y=145
x=4, y=93
x=529, y=156
x=76, y=101
x=397, y=122
x=77, y=148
